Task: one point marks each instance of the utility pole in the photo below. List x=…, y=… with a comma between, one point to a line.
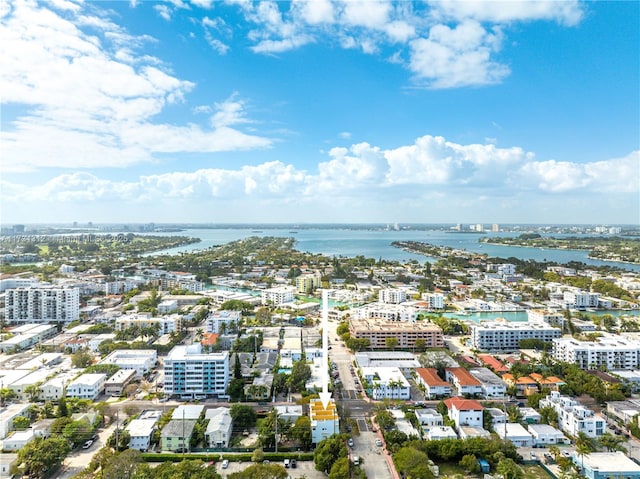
x=117, y=431
x=276, y=435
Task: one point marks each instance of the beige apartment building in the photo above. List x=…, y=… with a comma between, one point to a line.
x=377, y=332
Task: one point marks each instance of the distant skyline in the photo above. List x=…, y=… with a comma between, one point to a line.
x=320, y=112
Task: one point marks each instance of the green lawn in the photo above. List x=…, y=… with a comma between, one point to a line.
x=453, y=470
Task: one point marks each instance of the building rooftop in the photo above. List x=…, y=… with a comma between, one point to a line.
x=430, y=377
x=179, y=428
x=610, y=462
x=141, y=427
x=463, y=404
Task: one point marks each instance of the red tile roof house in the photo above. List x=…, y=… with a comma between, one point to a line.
x=493, y=363
x=435, y=387
x=464, y=382
x=464, y=412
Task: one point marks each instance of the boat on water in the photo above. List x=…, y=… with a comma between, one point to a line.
x=293, y=232
x=256, y=231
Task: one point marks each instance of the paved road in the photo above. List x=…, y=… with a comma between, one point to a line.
x=374, y=459
x=304, y=469
x=80, y=458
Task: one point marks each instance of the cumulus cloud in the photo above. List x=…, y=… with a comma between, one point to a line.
x=89, y=101
x=566, y=12
x=430, y=173
x=449, y=44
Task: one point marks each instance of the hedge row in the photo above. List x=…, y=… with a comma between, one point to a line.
x=177, y=457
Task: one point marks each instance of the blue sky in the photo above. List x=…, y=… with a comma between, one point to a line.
x=320, y=111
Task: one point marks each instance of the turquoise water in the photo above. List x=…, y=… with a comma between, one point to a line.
x=377, y=244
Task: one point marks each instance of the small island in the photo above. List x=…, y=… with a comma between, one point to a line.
x=609, y=248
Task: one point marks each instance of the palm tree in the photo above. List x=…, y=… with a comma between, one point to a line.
x=584, y=445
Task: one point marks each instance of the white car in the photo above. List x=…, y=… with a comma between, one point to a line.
x=350, y=442
x=378, y=442
x=225, y=463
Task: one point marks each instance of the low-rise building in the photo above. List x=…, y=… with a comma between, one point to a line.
x=8, y=414
x=464, y=382
x=429, y=418
x=324, y=422
x=87, y=386
x=492, y=386
x=114, y=386
x=514, y=433
x=142, y=360
x=544, y=435
x=141, y=433
x=438, y=433
x=278, y=296
x=219, y=428
x=464, y=412
x=17, y=440
x=387, y=383
x=467, y=432
x=434, y=386
x=607, y=465
x=176, y=435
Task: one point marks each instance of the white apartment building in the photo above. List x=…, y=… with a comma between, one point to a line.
x=141, y=433
x=191, y=374
x=215, y=320
x=434, y=386
x=613, y=352
x=573, y=417
x=434, y=300
x=8, y=414
x=17, y=282
x=142, y=360
x=87, y=386
x=324, y=422
x=502, y=268
x=388, y=312
x=53, y=389
x=548, y=316
x=578, y=299
x=42, y=304
x=307, y=282
x=387, y=383
x=505, y=336
x=278, y=295
x=464, y=412
x=392, y=296
x=492, y=386
x=163, y=324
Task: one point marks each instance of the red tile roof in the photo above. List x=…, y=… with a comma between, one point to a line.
x=493, y=363
x=465, y=378
x=463, y=404
x=430, y=377
x=209, y=339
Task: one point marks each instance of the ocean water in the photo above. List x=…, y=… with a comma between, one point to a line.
x=376, y=243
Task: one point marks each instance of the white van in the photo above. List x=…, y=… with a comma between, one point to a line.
x=286, y=463
x=356, y=460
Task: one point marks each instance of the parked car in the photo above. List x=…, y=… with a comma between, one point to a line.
x=287, y=463
x=350, y=442
x=225, y=463
x=87, y=444
x=378, y=442
x=294, y=463
x=533, y=456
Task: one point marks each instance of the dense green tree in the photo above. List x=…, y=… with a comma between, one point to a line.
x=411, y=462
x=328, y=451
x=391, y=342
x=469, y=462
x=300, y=374
x=7, y=394
x=243, y=416
x=301, y=431
x=40, y=455
x=236, y=390
x=341, y=469
x=186, y=469
x=122, y=465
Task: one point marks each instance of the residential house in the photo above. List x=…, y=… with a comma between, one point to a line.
x=465, y=383
x=464, y=412
x=434, y=386
x=219, y=428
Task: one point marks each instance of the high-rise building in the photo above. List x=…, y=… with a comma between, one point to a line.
x=43, y=304
x=190, y=373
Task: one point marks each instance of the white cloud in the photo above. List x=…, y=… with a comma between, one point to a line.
x=164, y=11
x=566, y=12
x=314, y=12
x=620, y=175
x=457, y=57
x=85, y=96
x=345, y=135
x=450, y=44
x=428, y=175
